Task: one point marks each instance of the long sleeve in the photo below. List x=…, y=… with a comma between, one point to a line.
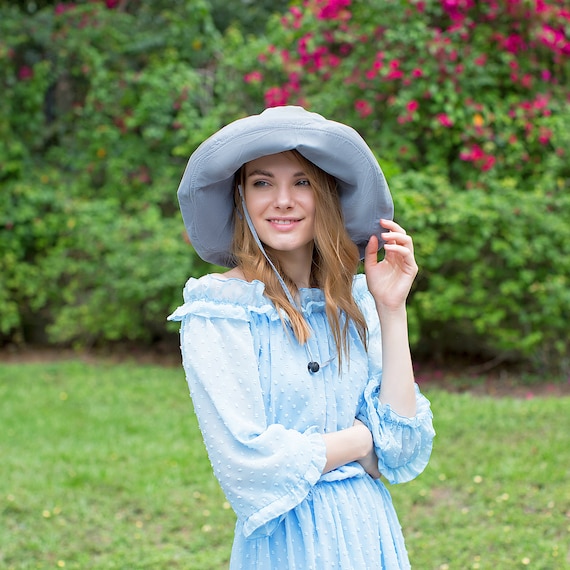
x=264, y=469
x=403, y=445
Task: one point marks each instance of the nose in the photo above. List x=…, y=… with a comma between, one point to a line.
x=284, y=197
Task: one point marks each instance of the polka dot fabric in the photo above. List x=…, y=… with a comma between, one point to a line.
x=262, y=414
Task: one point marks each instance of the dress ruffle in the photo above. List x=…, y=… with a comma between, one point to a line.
x=403, y=445
x=219, y=297
x=265, y=521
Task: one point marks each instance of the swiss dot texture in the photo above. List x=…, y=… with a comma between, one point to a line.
x=262, y=414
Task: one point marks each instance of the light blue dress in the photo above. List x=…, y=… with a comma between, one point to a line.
x=262, y=415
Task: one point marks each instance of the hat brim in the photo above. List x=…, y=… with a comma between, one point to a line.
x=205, y=193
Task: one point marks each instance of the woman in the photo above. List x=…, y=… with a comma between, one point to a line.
x=302, y=402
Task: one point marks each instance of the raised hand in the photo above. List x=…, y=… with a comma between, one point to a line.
x=390, y=280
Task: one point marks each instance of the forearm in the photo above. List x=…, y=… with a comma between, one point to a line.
x=347, y=445
x=397, y=388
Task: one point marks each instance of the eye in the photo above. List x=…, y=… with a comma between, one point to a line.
x=303, y=182
x=260, y=183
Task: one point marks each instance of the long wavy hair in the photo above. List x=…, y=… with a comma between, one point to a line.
x=335, y=261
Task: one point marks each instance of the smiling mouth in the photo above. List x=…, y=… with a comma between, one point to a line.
x=283, y=222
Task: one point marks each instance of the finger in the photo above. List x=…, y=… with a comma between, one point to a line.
x=405, y=254
x=371, y=251
x=399, y=238
x=392, y=225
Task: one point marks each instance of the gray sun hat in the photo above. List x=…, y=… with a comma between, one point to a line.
x=206, y=190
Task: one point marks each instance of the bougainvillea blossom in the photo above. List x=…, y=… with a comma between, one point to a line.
x=462, y=42
x=331, y=9
x=363, y=108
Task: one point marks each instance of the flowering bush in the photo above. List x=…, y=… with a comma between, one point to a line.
x=464, y=101
x=473, y=95
x=469, y=85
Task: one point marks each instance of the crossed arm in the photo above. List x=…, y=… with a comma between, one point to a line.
x=389, y=282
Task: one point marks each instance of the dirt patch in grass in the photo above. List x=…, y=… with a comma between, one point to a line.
x=485, y=380
x=454, y=375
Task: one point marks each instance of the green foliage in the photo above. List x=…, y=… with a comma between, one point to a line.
x=494, y=267
x=250, y=15
x=101, y=110
x=466, y=104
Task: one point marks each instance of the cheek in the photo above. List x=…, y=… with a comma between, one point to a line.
x=253, y=202
x=311, y=205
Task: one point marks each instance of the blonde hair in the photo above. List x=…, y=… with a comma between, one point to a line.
x=335, y=261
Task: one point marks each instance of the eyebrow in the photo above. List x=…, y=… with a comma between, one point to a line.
x=268, y=174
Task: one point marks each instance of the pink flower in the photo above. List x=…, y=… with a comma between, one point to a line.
x=294, y=81
x=544, y=136
x=456, y=9
x=444, y=120
x=417, y=72
x=412, y=106
x=481, y=60
x=25, y=72
x=296, y=12
x=478, y=156
x=331, y=9
x=514, y=43
x=253, y=77
x=555, y=39
x=363, y=108
x=487, y=163
x=63, y=7
x=276, y=97
x=334, y=60
x=395, y=74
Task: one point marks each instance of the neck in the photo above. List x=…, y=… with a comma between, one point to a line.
x=296, y=265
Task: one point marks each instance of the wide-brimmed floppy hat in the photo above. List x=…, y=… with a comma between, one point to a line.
x=206, y=190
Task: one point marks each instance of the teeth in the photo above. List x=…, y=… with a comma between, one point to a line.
x=282, y=222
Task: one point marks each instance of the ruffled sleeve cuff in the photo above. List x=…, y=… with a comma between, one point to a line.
x=403, y=445
x=264, y=521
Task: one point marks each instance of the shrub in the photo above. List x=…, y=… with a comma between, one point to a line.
x=97, y=103
x=465, y=104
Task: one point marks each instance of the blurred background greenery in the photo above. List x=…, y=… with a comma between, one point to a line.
x=464, y=103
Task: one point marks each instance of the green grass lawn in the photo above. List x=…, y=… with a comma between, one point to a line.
x=102, y=466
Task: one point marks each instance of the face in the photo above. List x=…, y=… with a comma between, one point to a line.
x=281, y=203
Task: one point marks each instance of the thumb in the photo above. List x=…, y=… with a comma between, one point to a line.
x=371, y=252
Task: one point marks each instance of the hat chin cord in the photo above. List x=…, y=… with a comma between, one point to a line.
x=313, y=366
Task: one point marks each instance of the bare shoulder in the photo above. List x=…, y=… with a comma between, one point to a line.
x=235, y=273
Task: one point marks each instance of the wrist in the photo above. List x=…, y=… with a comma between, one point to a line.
x=391, y=313
x=363, y=442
